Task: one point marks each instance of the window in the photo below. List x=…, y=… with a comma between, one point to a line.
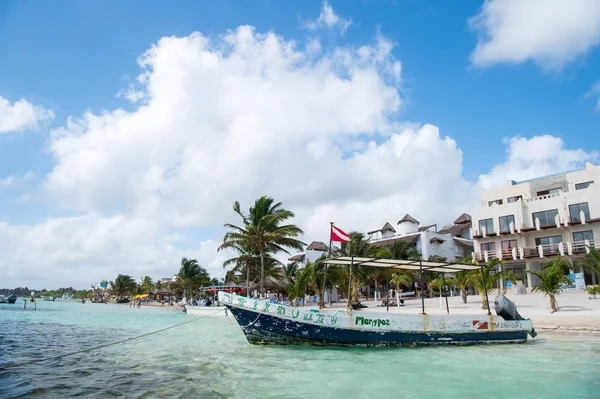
x=548, y=240
x=495, y=202
x=581, y=186
x=547, y=218
x=575, y=210
x=509, y=244
x=488, y=224
x=514, y=199
x=505, y=222
x=581, y=236
x=507, y=247
x=551, y=245
x=548, y=192
x=488, y=246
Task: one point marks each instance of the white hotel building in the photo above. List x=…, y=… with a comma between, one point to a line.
x=529, y=223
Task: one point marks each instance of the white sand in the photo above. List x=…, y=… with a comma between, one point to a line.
x=577, y=311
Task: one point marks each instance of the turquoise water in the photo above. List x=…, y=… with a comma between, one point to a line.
x=210, y=358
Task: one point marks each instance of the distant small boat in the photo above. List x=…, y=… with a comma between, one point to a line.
x=216, y=311
x=123, y=300
x=47, y=298
x=9, y=299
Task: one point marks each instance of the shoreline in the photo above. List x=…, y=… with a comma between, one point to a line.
x=579, y=316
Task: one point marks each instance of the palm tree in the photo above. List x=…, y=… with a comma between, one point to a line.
x=358, y=245
x=399, y=279
x=263, y=231
x=191, y=275
x=311, y=277
x=146, y=284
x=439, y=283
x=592, y=262
x=552, y=277
x=123, y=285
x=463, y=281
x=484, y=281
x=291, y=273
x=398, y=250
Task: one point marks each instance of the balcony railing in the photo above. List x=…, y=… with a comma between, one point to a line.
x=539, y=251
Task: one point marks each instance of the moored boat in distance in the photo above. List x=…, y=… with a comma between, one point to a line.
x=264, y=322
x=8, y=299
x=214, y=311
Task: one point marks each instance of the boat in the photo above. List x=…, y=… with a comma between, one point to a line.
x=122, y=300
x=264, y=322
x=47, y=298
x=8, y=299
x=216, y=311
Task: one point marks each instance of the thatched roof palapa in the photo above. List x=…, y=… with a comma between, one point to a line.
x=410, y=238
x=386, y=227
x=424, y=228
x=408, y=218
x=296, y=257
x=317, y=246
x=463, y=219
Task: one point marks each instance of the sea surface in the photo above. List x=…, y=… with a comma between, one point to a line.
x=210, y=358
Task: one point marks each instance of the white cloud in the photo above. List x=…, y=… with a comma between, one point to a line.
x=21, y=115
x=551, y=33
x=228, y=119
x=595, y=92
x=535, y=157
x=17, y=181
x=328, y=19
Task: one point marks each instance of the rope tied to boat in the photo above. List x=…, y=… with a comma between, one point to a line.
x=11, y=366
x=252, y=322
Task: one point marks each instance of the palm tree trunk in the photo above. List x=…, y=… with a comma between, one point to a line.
x=184, y=293
x=247, y=280
x=553, y=303
x=262, y=272
x=463, y=295
x=484, y=303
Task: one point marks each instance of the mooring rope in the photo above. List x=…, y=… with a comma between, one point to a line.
x=252, y=322
x=10, y=366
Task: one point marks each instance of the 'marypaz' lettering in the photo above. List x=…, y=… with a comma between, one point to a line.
x=363, y=321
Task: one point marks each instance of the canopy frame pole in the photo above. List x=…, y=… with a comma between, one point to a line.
x=422, y=288
x=350, y=283
x=485, y=290
x=387, y=288
x=327, y=264
x=444, y=282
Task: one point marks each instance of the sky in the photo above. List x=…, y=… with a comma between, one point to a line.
x=128, y=129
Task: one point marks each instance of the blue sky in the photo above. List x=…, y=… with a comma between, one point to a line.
x=73, y=56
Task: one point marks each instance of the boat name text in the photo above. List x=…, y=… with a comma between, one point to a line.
x=363, y=321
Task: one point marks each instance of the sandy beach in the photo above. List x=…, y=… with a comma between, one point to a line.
x=577, y=312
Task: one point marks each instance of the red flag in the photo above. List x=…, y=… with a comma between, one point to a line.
x=338, y=235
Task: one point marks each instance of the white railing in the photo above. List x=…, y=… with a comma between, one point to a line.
x=542, y=197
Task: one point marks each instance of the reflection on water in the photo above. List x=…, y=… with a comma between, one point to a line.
x=211, y=359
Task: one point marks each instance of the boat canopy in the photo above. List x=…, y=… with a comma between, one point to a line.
x=406, y=264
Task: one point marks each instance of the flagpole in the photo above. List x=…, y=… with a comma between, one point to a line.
x=325, y=271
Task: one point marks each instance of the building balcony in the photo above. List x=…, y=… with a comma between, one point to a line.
x=577, y=248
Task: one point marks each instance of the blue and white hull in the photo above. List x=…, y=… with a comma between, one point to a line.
x=266, y=323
